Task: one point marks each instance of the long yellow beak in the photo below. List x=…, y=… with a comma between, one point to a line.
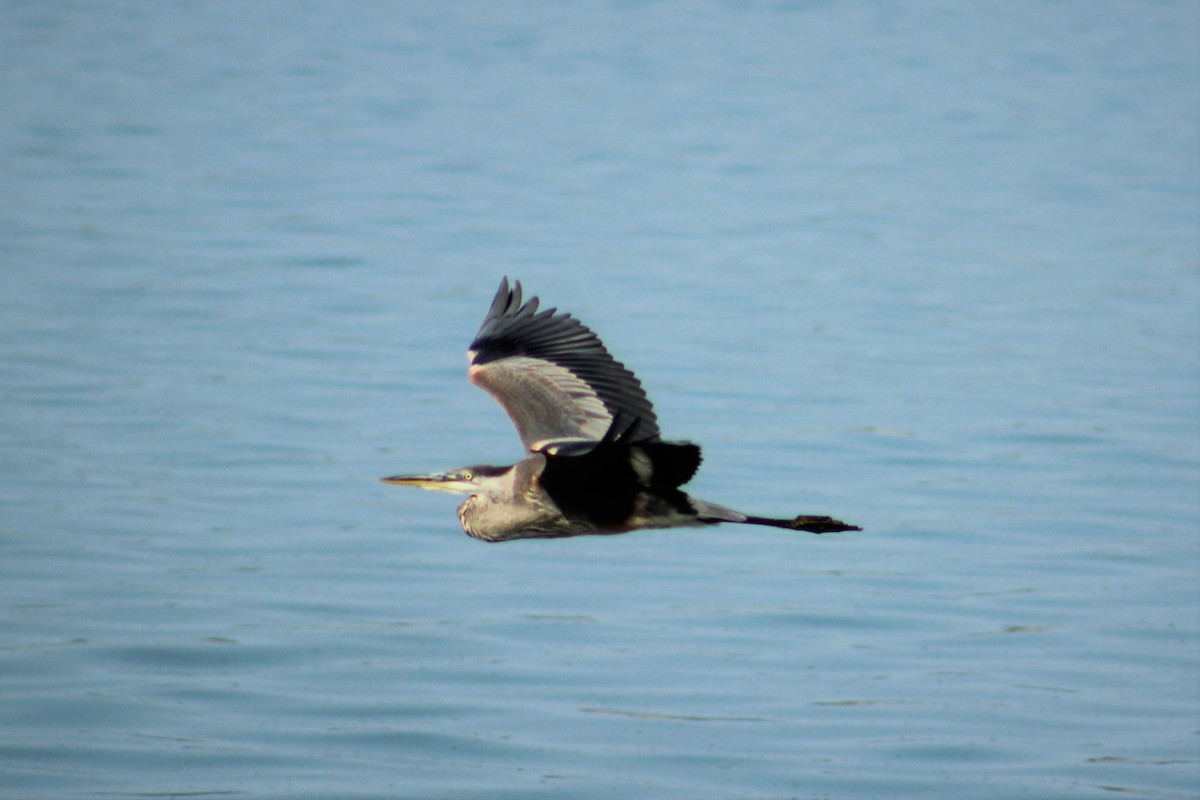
x=440, y=482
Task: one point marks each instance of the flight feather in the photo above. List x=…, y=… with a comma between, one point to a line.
x=553, y=375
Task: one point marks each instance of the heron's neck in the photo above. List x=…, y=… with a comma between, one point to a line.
x=469, y=513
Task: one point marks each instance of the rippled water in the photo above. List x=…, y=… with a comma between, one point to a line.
x=933, y=269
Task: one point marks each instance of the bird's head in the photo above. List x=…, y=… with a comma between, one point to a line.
x=465, y=480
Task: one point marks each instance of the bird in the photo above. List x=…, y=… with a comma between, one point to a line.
x=595, y=461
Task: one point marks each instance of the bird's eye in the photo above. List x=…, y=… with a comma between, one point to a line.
x=466, y=475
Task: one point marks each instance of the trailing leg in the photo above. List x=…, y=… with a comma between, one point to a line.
x=804, y=522
x=711, y=512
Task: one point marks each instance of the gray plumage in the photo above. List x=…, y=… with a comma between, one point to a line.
x=595, y=460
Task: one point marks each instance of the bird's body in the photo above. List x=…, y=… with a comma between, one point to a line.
x=595, y=460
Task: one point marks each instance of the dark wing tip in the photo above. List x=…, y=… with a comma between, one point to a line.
x=508, y=303
x=503, y=300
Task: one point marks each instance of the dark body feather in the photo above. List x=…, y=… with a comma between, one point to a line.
x=608, y=484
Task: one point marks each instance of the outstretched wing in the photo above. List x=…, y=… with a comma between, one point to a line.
x=553, y=375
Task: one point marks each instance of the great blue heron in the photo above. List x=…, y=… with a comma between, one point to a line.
x=595, y=462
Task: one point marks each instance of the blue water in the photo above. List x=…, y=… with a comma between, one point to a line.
x=933, y=268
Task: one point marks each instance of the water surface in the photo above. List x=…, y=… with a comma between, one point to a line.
x=933, y=270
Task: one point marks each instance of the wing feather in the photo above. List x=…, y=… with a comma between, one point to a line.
x=553, y=375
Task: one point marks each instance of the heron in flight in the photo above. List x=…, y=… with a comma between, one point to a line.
x=595, y=462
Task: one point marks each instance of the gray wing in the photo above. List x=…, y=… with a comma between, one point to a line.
x=553, y=376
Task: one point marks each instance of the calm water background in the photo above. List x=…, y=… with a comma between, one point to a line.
x=934, y=269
